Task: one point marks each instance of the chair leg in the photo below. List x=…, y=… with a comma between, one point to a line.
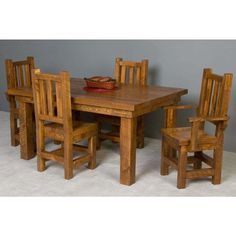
x=182, y=163
x=40, y=147
x=68, y=158
x=164, y=154
x=140, y=132
x=217, y=158
x=13, y=127
x=98, y=142
x=92, y=152
x=13, y=122
x=41, y=163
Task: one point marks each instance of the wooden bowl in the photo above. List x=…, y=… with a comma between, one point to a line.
x=104, y=82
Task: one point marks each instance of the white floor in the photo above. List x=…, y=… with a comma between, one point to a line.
x=20, y=178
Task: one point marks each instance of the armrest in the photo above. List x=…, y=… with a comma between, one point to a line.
x=224, y=118
x=170, y=114
x=212, y=119
x=197, y=125
x=195, y=119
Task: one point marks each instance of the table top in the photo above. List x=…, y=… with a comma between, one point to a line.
x=126, y=97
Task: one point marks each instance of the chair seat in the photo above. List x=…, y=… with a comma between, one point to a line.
x=181, y=136
x=80, y=130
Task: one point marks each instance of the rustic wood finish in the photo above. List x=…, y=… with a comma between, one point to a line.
x=213, y=107
x=126, y=72
x=18, y=75
x=53, y=115
x=129, y=101
x=127, y=150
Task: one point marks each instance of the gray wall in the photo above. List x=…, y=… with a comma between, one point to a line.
x=176, y=63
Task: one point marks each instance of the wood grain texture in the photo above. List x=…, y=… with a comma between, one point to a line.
x=129, y=101
x=213, y=107
x=53, y=116
x=127, y=150
x=18, y=74
x=126, y=72
x=27, y=130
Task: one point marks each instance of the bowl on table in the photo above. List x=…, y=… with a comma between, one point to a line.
x=103, y=82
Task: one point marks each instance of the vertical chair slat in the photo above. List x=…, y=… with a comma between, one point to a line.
x=17, y=76
x=208, y=96
x=58, y=99
x=214, y=98
x=138, y=73
x=219, y=100
x=144, y=72
x=50, y=98
x=27, y=75
x=21, y=76
x=131, y=75
x=123, y=74
x=43, y=97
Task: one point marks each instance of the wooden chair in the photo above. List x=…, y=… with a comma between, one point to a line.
x=213, y=107
x=18, y=74
x=50, y=92
x=131, y=73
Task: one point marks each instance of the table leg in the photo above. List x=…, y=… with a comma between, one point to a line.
x=27, y=131
x=127, y=150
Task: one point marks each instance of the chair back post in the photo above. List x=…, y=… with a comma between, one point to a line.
x=35, y=85
x=66, y=103
x=9, y=73
x=117, y=73
x=200, y=108
x=31, y=61
x=227, y=85
x=144, y=72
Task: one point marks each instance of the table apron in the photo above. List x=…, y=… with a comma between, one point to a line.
x=154, y=106
x=125, y=113
x=103, y=110
x=112, y=111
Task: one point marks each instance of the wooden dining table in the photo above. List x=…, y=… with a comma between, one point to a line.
x=127, y=102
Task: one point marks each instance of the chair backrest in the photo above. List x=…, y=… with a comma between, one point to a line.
x=131, y=72
x=52, y=98
x=215, y=94
x=19, y=72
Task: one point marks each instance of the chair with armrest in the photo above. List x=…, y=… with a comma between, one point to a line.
x=213, y=107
